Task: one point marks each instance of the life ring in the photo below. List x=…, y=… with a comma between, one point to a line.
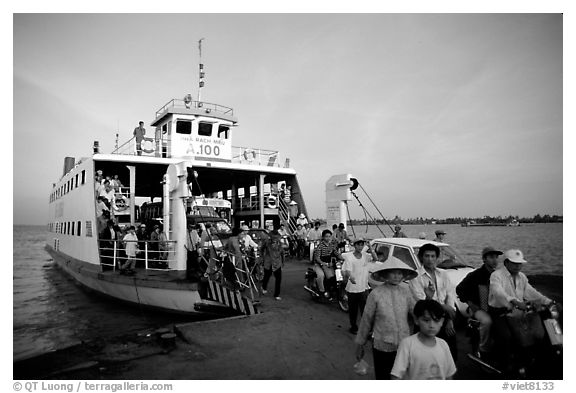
x=148, y=145
x=120, y=204
x=249, y=155
x=271, y=202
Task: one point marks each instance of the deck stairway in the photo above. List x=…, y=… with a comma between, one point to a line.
x=284, y=215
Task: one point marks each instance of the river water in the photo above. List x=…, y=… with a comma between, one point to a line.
x=51, y=311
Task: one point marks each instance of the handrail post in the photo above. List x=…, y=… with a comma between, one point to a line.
x=146, y=254
x=114, y=267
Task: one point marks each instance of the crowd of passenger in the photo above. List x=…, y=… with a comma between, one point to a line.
x=409, y=318
x=134, y=246
x=109, y=198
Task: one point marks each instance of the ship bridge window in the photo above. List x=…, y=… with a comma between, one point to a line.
x=184, y=127
x=204, y=129
x=223, y=131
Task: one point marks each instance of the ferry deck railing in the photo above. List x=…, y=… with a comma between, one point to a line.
x=153, y=147
x=112, y=253
x=184, y=104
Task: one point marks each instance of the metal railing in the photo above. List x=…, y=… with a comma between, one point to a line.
x=156, y=254
x=151, y=147
x=253, y=156
x=247, y=274
x=206, y=106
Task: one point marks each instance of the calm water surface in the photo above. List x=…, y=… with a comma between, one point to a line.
x=51, y=311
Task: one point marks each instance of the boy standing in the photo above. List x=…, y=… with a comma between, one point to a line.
x=423, y=355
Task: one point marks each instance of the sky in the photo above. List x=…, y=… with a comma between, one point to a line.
x=436, y=115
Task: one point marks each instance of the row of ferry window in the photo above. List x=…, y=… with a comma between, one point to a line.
x=204, y=129
x=69, y=186
x=73, y=228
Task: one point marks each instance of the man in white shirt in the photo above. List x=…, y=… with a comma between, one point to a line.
x=433, y=283
x=131, y=248
x=509, y=290
x=107, y=193
x=509, y=287
x=356, y=268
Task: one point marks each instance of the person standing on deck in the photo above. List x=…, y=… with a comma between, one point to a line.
x=192, y=258
x=108, y=238
x=131, y=248
x=154, y=244
x=139, y=133
x=142, y=236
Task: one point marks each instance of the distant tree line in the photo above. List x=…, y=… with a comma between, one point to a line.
x=546, y=218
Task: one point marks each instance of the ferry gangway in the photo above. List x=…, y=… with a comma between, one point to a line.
x=247, y=275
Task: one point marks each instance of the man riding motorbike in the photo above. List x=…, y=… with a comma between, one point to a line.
x=322, y=260
x=509, y=292
x=473, y=290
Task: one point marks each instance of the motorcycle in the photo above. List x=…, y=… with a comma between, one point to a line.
x=537, y=334
x=335, y=286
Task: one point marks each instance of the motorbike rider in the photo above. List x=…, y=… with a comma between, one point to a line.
x=322, y=260
x=341, y=235
x=510, y=290
x=473, y=290
x=315, y=233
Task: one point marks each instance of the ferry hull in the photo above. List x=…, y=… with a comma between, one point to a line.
x=168, y=296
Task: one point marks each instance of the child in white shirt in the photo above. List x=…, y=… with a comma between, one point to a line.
x=423, y=355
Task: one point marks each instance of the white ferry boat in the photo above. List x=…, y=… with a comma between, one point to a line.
x=185, y=170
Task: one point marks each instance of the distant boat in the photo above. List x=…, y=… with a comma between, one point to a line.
x=513, y=223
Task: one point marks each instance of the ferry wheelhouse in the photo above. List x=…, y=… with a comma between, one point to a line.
x=185, y=171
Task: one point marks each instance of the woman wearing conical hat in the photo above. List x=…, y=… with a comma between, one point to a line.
x=387, y=314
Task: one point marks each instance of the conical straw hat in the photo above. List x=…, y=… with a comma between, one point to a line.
x=378, y=273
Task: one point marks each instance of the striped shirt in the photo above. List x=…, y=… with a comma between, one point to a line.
x=324, y=252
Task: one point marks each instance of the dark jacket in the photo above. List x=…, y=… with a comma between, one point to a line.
x=467, y=290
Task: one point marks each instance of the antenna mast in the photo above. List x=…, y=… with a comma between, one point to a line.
x=201, y=70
